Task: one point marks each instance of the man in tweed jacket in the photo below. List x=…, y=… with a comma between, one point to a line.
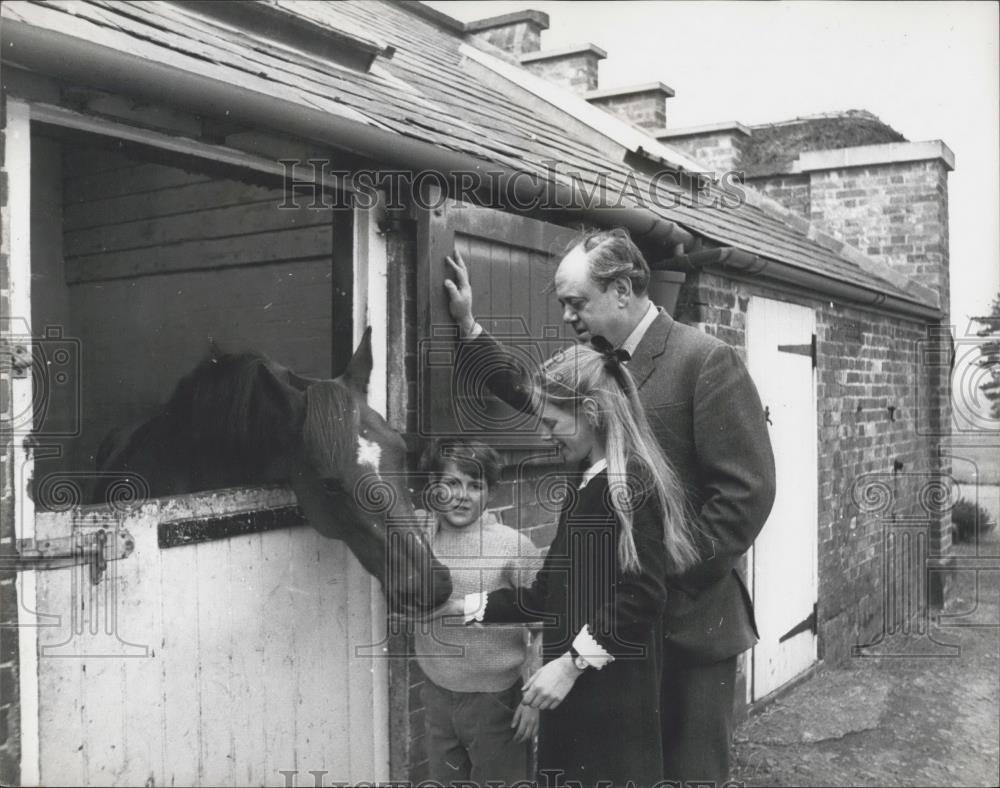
x=707, y=416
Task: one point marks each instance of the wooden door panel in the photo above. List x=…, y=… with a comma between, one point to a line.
x=511, y=261
x=784, y=558
x=226, y=661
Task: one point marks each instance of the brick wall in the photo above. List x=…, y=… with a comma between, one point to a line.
x=896, y=213
x=648, y=110
x=520, y=37
x=792, y=191
x=866, y=362
x=577, y=72
x=10, y=705
x=719, y=151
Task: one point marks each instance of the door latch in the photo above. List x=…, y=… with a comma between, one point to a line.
x=82, y=548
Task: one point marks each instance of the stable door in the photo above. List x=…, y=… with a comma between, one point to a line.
x=783, y=563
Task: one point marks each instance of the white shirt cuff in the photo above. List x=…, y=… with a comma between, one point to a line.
x=475, y=607
x=476, y=331
x=591, y=651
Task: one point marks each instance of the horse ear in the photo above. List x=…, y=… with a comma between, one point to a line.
x=359, y=368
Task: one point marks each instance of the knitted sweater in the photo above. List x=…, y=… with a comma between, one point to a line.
x=475, y=658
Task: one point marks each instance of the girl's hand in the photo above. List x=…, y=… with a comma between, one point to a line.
x=453, y=607
x=525, y=723
x=548, y=686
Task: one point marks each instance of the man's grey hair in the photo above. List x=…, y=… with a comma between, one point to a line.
x=612, y=254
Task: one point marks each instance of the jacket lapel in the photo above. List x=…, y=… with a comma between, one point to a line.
x=650, y=348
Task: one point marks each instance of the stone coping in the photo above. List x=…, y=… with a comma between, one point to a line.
x=705, y=128
x=538, y=18
x=630, y=90
x=868, y=155
x=552, y=54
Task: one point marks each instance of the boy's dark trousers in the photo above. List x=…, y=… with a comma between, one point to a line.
x=469, y=738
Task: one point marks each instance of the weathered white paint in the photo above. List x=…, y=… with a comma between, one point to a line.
x=371, y=295
x=224, y=662
x=370, y=700
x=784, y=558
x=219, y=663
x=16, y=234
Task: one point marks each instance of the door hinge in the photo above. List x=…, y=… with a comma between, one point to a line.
x=18, y=355
x=808, y=624
x=802, y=350
x=91, y=548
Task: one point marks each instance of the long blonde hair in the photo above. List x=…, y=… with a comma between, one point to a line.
x=637, y=466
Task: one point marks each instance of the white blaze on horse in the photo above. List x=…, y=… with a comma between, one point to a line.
x=240, y=419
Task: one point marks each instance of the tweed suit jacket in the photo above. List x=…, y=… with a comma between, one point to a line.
x=705, y=411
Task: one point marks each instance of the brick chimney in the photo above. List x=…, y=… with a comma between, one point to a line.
x=516, y=33
x=572, y=67
x=718, y=146
x=641, y=105
x=890, y=201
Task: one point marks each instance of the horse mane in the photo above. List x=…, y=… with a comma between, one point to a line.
x=331, y=427
x=231, y=405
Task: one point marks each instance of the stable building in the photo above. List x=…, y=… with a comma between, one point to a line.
x=177, y=173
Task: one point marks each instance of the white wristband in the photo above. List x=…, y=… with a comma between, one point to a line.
x=475, y=607
x=592, y=652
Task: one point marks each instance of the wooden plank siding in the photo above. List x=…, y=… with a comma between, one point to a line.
x=159, y=257
x=224, y=663
x=151, y=218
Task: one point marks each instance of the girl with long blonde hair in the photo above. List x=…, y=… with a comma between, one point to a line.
x=602, y=590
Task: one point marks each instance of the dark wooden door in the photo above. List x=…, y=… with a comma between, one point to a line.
x=511, y=262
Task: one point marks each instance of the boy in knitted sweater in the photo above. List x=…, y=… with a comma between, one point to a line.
x=477, y=729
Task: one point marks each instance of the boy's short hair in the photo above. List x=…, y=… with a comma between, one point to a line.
x=471, y=457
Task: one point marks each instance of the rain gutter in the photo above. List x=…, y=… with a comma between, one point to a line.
x=731, y=261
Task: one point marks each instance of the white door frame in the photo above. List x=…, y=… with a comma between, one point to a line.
x=18, y=165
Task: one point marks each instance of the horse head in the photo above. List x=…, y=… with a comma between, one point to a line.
x=352, y=485
x=240, y=419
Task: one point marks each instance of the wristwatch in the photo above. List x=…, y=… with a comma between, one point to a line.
x=579, y=662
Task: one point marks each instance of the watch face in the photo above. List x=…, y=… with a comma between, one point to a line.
x=581, y=663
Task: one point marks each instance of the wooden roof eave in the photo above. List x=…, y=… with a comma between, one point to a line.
x=260, y=103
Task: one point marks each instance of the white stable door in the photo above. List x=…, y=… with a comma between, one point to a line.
x=249, y=659
x=783, y=562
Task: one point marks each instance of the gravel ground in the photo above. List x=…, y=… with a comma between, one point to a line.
x=931, y=720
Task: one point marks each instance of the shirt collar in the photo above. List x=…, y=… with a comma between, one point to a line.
x=592, y=471
x=630, y=344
